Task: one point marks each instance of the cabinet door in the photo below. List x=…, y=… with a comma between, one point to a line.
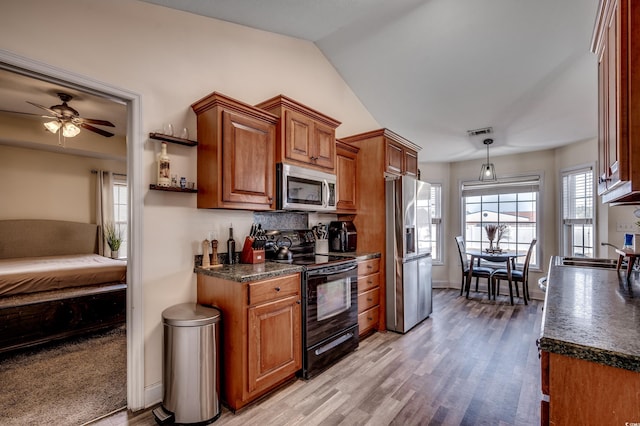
x=612, y=50
x=274, y=342
x=394, y=158
x=298, y=136
x=324, y=146
x=248, y=160
x=411, y=163
x=346, y=181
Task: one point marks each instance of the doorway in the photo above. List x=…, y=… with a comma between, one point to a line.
x=134, y=297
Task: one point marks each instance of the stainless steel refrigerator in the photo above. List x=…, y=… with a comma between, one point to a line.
x=408, y=253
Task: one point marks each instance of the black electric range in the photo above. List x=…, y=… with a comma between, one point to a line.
x=329, y=288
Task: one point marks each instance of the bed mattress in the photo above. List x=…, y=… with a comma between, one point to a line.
x=34, y=274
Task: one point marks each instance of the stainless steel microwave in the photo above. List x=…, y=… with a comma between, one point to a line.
x=299, y=188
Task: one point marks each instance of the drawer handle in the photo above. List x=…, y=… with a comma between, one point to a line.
x=369, y=267
x=369, y=319
x=369, y=282
x=277, y=288
x=369, y=299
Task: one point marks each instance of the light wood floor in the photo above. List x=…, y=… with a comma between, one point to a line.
x=473, y=362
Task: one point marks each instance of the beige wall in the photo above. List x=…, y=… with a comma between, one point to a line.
x=37, y=184
x=173, y=59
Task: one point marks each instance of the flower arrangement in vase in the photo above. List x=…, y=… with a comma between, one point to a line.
x=495, y=232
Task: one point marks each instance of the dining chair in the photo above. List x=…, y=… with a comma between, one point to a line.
x=517, y=276
x=478, y=271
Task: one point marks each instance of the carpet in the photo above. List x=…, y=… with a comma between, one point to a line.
x=66, y=383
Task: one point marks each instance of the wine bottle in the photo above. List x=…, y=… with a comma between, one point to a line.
x=231, y=246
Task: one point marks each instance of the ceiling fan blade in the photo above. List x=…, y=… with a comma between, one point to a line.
x=96, y=130
x=98, y=122
x=52, y=112
x=27, y=113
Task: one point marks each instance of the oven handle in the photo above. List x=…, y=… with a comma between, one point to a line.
x=332, y=270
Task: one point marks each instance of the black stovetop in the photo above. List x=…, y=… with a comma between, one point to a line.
x=301, y=243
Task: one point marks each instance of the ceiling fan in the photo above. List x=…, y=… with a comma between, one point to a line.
x=69, y=120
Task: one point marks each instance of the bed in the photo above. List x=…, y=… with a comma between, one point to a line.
x=54, y=285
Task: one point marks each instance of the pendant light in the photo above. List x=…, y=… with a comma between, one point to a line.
x=487, y=172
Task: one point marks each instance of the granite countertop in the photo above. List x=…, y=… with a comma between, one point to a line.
x=357, y=254
x=592, y=314
x=244, y=272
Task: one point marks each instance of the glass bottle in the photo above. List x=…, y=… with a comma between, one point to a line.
x=164, y=166
x=231, y=247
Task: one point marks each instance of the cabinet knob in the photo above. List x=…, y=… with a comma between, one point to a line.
x=369, y=282
x=277, y=288
x=603, y=180
x=298, y=302
x=369, y=299
x=369, y=267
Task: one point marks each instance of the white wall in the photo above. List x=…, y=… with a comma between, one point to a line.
x=172, y=59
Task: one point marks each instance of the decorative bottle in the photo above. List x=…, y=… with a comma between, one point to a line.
x=231, y=247
x=164, y=166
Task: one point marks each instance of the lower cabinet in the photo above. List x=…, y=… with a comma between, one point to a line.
x=579, y=392
x=261, y=341
x=368, y=295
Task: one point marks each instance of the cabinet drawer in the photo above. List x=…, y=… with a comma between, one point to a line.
x=368, y=319
x=368, y=299
x=368, y=282
x=367, y=267
x=275, y=288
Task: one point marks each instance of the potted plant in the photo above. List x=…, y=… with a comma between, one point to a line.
x=113, y=235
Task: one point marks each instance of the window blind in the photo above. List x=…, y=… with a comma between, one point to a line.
x=502, y=186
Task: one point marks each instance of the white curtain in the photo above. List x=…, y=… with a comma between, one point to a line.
x=104, y=207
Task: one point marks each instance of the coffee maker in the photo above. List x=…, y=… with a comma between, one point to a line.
x=342, y=236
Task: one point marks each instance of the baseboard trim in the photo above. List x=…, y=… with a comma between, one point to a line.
x=152, y=394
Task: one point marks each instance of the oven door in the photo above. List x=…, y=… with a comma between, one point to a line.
x=331, y=301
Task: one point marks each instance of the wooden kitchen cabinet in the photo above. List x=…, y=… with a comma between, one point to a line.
x=236, y=154
x=368, y=295
x=616, y=42
x=373, y=163
x=400, y=158
x=582, y=392
x=305, y=137
x=346, y=172
x=262, y=343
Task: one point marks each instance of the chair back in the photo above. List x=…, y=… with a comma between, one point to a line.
x=464, y=260
x=527, y=260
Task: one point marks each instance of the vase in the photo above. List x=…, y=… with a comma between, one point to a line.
x=114, y=254
x=491, y=246
x=164, y=167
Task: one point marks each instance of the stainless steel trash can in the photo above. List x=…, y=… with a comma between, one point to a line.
x=190, y=365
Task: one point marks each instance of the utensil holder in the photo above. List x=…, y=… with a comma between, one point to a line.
x=322, y=246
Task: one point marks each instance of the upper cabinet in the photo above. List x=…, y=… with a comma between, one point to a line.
x=304, y=137
x=236, y=154
x=346, y=175
x=616, y=42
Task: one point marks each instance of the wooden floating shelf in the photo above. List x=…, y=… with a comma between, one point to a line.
x=172, y=139
x=172, y=189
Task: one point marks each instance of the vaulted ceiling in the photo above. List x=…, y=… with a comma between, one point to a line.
x=432, y=69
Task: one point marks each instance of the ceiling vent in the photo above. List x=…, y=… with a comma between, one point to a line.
x=483, y=131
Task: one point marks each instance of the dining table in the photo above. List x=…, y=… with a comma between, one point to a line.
x=507, y=257
x=632, y=254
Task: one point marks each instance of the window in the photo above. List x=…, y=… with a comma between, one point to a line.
x=513, y=202
x=121, y=209
x=577, y=212
x=436, y=222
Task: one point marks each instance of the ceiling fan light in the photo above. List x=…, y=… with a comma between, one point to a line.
x=52, y=126
x=70, y=130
